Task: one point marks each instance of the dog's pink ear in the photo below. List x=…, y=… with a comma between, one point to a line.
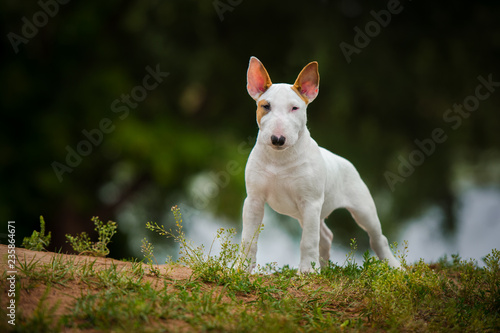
x=258, y=81
x=307, y=83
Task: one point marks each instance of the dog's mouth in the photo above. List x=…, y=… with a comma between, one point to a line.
x=278, y=148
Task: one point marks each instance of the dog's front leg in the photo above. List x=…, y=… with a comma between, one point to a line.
x=309, y=245
x=253, y=213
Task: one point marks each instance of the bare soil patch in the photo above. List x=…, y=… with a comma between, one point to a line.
x=62, y=295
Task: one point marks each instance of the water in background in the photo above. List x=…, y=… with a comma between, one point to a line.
x=477, y=233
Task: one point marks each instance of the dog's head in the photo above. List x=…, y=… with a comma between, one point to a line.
x=281, y=108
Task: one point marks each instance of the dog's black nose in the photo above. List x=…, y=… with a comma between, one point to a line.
x=278, y=141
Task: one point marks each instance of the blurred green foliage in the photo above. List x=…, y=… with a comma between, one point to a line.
x=199, y=118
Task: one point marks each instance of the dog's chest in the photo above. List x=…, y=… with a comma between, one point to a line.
x=284, y=186
x=282, y=193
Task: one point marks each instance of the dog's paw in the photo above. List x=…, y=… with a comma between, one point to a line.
x=394, y=263
x=311, y=267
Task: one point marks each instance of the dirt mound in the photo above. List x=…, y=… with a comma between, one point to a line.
x=34, y=268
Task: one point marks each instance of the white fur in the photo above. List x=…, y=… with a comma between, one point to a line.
x=304, y=181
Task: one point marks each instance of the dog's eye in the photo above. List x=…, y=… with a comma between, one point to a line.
x=295, y=108
x=267, y=107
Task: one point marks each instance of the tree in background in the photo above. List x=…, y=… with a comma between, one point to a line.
x=107, y=105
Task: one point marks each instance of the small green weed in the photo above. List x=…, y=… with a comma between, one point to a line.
x=83, y=245
x=190, y=255
x=38, y=241
x=210, y=268
x=147, y=250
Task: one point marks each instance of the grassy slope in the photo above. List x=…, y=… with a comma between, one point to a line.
x=85, y=294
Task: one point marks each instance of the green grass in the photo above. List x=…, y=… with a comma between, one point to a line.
x=451, y=295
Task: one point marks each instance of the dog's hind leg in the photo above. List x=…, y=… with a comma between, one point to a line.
x=366, y=217
x=364, y=212
x=325, y=242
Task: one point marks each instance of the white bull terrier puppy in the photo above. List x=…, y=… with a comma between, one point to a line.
x=288, y=170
